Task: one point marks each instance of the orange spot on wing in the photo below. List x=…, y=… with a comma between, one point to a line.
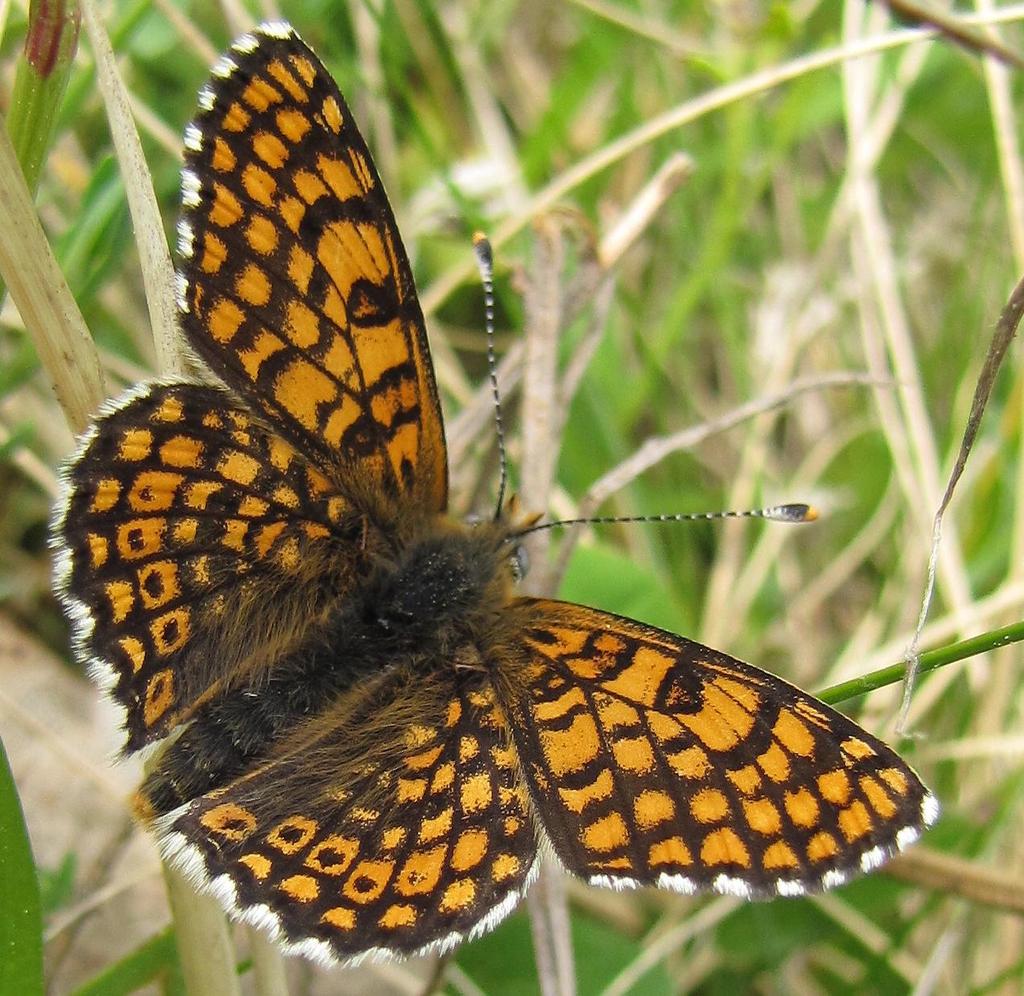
x=229, y=820
x=437, y=827
x=223, y=159
x=762, y=816
x=259, y=184
x=105, y=495
x=690, y=763
x=571, y=749
x=724, y=847
x=99, y=550
x=709, y=806
x=421, y=871
x=258, y=864
x=160, y=695
x=339, y=178
x=236, y=119
x=340, y=917
x=856, y=748
x=747, y=779
x=224, y=319
x=292, y=124
x=301, y=324
x=475, y=793
x=215, y=253
x=300, y=389
x=722, y=723
x=605, y=834
x=333, y=855
x=642, y=680
x=600, y=788
x=634, y=754
x=398, y=915
x=834, y=787
x=652, y=807
x=779, y=855
x=822, y=846
x=259, y=94
x=504, y=867
x=253, y=286
x=121, y=598
x=367, y=881
x=802, y=808
x=225, y=210
x=332, y=114
x=281, y=75
x=181, y=451
x=855, y=821
x=270, y=149
x=135, y=445
x=470, y=849
x=774, y=763
x=135, y=651
x=793, y=734
x=301, y=888
x=261, y=235
x=669, y=852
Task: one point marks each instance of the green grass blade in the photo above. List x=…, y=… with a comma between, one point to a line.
x=40, y=82
x=21, y=925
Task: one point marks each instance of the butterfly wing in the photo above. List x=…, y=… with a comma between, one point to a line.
x=294, y=287
x=653, y=760
x=394, y=824
x=178, y=510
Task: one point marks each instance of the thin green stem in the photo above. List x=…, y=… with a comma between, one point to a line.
x=929, y=661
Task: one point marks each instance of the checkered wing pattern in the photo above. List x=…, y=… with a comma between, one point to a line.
x=653, y=760
x=373, y=833
x=295, y=288
x=192, y=543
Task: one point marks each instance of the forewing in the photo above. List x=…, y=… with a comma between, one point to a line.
x=294, y=286
x=373, y=834
x=179, y=509
x=653, y=760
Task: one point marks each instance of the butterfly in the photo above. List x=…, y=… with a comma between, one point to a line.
x=369, y=736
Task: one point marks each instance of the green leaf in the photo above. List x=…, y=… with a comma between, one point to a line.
x=21, y=924
x=57, y=885
x=157, y=959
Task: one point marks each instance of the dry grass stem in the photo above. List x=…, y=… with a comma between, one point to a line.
x=541, y=425
x=999, y=889
x=155, y=259
x=643, y=209
x=43, y=298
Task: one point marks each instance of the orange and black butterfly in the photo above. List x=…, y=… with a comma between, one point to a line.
x=374, y=737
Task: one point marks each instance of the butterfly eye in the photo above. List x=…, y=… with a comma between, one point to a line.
x=519, y=562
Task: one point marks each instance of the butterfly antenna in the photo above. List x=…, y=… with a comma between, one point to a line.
x=796, y=512
x=485, y=263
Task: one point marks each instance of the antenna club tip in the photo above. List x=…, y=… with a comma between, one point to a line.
x=794, y=512
x=483, y=252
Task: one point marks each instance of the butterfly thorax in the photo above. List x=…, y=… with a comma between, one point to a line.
x=422, y=607
x=431, y=596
